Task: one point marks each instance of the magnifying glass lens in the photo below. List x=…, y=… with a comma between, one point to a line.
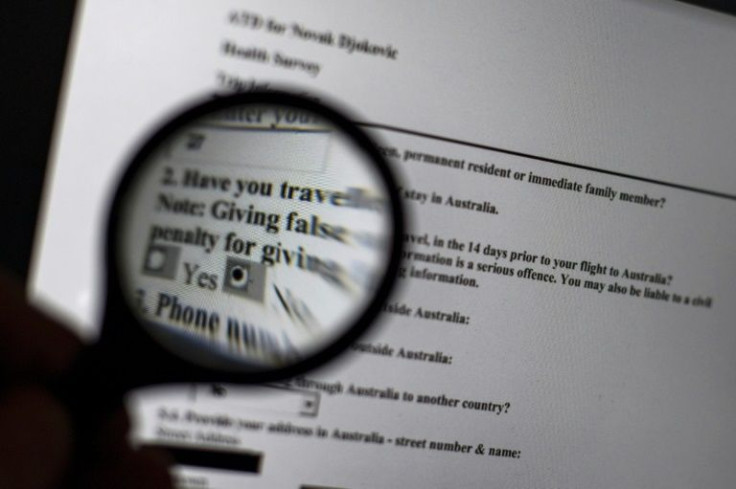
x=254, y=236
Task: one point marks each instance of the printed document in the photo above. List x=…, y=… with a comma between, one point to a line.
x=565, y=308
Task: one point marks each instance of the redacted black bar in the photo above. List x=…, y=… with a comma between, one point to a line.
x=249, y=462
x=319, y=487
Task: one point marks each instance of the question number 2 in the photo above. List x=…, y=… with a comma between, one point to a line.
x=168, y=179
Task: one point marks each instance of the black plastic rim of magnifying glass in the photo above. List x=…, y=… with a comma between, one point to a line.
x=133, y=357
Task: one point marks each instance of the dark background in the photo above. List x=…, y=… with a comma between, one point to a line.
x=33, y=41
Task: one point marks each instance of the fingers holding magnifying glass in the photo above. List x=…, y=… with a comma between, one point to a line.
x=35, y=428
x=37, y=434
x=32, y=346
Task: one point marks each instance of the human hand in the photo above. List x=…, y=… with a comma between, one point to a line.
x=36, y=433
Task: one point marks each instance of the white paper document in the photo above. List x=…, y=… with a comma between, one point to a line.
x=565, y=310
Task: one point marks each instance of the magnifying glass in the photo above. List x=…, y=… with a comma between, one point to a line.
x=252, y=238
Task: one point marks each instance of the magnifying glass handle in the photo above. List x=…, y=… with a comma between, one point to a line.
x=90, y=389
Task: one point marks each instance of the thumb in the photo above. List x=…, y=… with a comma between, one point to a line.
x=36, y=439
